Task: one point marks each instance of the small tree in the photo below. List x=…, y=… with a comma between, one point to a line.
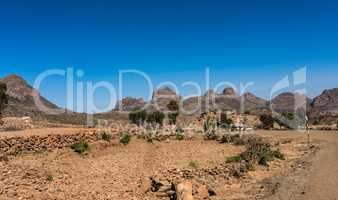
x=173, y=105
x=172, y=117
x=267, y=121
x=138, y=117
x=155, y=117
x=173, y=108
x=289, y=115
x=225, y=122
x=3, y=99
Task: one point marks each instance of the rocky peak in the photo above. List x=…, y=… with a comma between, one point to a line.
x=229, y=92
x=162, y=97
x=326, y=103
x=17, y=87
x=130, y=104
x=289, y=102
x=210, y=92
x=165, y=91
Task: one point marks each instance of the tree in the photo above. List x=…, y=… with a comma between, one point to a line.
x=267, y=121
x=289, y=115
x=225, y=122
x=155, y=117
x=172, y=117
x=173, y=105
x=3, y=99
x=173, y=108
x=138, y=117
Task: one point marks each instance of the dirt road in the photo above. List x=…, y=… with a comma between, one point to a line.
x=319, y=180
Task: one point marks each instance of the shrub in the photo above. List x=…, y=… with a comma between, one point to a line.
x=279, y=155
x=138, y=117
x=235, y=139
x=125, y=138
x=172, y=118
x=238, y=140
x=232, y=159
x=50, y=178
x=193, y=164
x=156, y=117
x=225, y=122
x=81, y=146
x=179, y=136
x=267, y=121
x=173, y=105
x=3, y=99
x=106, y=136
x=260, y=152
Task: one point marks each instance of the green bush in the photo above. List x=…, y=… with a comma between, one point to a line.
x=138, y=117
x=172, y=118
x=267, y=121
x=50, y=178
x=3, y=99
x=279, y=155
x=173, y=105
x=155, y=117
x=233, y=159
x=225, y=122
x=179, y=136
x=81, y=146
x=106, y=136
x=125, y=138
x=260, y=152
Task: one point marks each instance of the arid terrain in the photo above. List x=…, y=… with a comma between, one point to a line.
x=111, y=170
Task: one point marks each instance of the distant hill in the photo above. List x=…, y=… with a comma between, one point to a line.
x=21, y=103
x=323, y=108
x=21, y=98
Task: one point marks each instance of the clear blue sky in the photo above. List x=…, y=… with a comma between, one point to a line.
x=259, y=41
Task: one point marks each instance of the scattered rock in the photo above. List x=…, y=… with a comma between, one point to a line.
x=184, y=191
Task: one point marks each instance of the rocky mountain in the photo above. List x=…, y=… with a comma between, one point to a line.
x=253, y=104
x=229, y=92
x=21, y=98
x=162, y=97
x=289, y=102
x=326, y=104
x=130, y=104
x=21, y=103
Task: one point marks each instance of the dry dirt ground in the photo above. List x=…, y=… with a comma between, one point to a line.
x=318, y=180
x=113, y=171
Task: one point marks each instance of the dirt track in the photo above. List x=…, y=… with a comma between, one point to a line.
x=317, y=181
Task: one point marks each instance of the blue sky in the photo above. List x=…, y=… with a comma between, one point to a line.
x=240, y=41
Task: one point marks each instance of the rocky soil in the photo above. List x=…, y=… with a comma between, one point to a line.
x=141, y=170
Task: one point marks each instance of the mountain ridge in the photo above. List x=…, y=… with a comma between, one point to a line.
x=21, y=101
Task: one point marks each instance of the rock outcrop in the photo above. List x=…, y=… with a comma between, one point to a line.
x=162, y=97
x=290, y=102
x=130, y=104
x=325, y=106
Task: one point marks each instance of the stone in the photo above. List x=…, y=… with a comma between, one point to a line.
x=203, y=192
x=184, y=191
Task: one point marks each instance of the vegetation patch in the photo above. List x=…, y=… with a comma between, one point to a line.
x=125, y=138
x=193, y=164
x=50, y=178
x=106, y=136
x=257, y=152
x=81, y=146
